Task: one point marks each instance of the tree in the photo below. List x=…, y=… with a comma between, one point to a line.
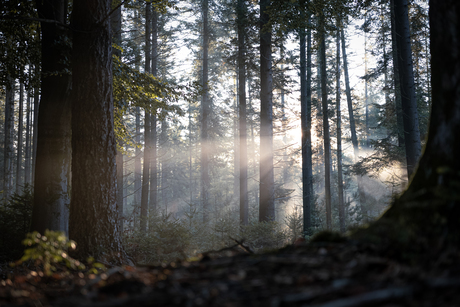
x=424, y=220
x=407, y=86
x=93, y=213
x=8, y=145
x=153, y=119
x=339, y=135
x=327, y=141
x=267, y=181
x=115, y=20
x=305, y=115
x=147, y=122
x=53, y=155
x=243, y=159
x=205, y=113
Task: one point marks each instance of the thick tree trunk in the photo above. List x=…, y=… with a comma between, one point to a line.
x=93, y=220
x=267, y=181
x=243, y=171
x=205, y=112
x=52, y=169
x=406, y=75
x=305, y=116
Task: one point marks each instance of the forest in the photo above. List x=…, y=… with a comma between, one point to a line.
x=150, y=133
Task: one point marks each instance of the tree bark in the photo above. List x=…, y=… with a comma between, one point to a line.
x=243, y=165
x=19, y=182
x=339, y=138
x=115, y=20
x=27, y=154
x=8, y=145
x=93, y=220
x=52, y=168
x=153, y=119
x=267, y=181
x=305, y=116
x=205, y=112
x=147, y=122
x=327, y=141
x=406, y=76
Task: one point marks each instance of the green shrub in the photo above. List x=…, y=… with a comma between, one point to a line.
x=49, y=250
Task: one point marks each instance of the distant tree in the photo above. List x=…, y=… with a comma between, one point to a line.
x=267, y=181
x=205, y=113
x=407, y=85
x=243, y=146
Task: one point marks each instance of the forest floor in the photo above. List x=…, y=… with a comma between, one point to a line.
x=315, y=274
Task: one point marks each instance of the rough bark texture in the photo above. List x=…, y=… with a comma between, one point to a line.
x=243, y=148
x=52, y=170
x=406, y=76
x=93, y=214
x=267, y=181
x=305, y=116
x=205, y=112
x=327, y=141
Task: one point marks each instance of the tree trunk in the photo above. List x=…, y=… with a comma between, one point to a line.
x=8, y=145
x=52, y=169
x=339, y=138
x=165, y=189
x=19, y=181
x=327, y=141
x=305, y=115
x=406, y=75
x=93, y=220
x=423, y=222
x=115, y=20
x=147, y=122
x=137, y=161
x=205, y=112
x=243, y=171
x=153, y=119
x=267, y=181
x=27, y=150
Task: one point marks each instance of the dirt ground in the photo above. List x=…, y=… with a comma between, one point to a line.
x=315, y=274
